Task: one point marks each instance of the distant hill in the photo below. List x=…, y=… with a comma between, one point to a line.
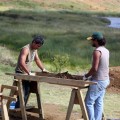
x=99, y=5
x=90, y=5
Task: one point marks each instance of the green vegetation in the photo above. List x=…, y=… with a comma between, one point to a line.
x=60, y=62
x=65, y=32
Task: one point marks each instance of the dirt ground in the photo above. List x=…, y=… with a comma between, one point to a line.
x=114, y=80
x=55, y=112
x=51, y=112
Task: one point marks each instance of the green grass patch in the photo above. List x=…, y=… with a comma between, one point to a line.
x=65, y=32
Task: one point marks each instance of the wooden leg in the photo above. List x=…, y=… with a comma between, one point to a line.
x=4, y=111
x=12, y=93
x=76, y=98
x=71, y=103
x=82, y=104
x=103, y=116
x=21, y=97
x=41, y=115
x=0, y=96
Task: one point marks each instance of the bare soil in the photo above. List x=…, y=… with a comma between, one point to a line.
x=51, y=112
x=114, y=80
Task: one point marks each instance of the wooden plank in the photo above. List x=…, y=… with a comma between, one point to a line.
x=19, y=109
x=53, y=80
x=9, y=87
x=40, y=109
x=82, y=104
x=9, y=98
x=13, y=93
x=70, y=106
x=4, y=111
x=21, y=97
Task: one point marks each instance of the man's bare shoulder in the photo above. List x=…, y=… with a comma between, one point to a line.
x=25, y=50
x=96, y=53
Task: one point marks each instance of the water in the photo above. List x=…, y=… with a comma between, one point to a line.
x=115, y=22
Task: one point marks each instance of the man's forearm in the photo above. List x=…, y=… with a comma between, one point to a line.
x=25, y=68
x=39, y=64
x=91, y=72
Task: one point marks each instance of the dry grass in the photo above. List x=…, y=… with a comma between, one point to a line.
x=91, y=5
x=6, y=56
x=94, y=5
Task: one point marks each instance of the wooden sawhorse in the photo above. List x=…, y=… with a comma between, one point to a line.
x=77, y=98
x=4, y=99
x=34, y=88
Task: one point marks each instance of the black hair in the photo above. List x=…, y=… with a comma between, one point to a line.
x=102, y=42
x=38, y=39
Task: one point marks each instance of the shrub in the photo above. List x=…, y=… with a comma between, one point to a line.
x=60, y=62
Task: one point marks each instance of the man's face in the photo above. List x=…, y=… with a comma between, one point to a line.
x=93, y=42
x=36, y=46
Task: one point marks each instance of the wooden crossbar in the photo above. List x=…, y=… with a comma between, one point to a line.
x=9, y=87
x=9, y=98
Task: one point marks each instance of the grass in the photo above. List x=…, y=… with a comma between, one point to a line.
x=65, y=32
x=110, y=101
x=7, y=57
x=56, y=94
x=74, y=5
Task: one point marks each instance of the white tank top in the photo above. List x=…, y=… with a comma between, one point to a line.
x=103, y=68
x=29, y=59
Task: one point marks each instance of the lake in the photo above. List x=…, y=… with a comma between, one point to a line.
x=115, y=22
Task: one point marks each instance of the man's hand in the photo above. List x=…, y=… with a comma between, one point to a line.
x=45, y=71
x=84, y=77
x=33, y=74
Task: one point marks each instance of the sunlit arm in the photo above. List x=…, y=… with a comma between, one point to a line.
x=38, y=61
x=95, y=64
x=23, y=56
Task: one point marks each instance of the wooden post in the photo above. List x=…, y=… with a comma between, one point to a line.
x=71, y=103
x=82, y=104
x=4, y=111
x=12, y=93
x=76, y=98
x=34, y=88
x=0, y=96
x=21, y=97
x=41, y=115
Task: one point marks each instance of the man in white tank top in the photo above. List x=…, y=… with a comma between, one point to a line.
x=99, y=73
x=28, y=54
